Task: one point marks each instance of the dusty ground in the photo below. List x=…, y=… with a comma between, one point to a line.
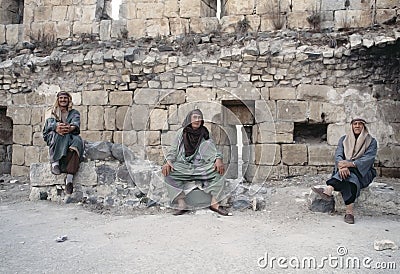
x=152, y=240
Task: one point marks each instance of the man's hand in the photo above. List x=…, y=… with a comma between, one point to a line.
x=344, y=164
x=219, y=166
x=166, y=168
x=344, y=172
x=62, y=128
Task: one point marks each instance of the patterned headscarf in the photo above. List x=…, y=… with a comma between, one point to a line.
x=193, y=137
x=55, y=111
x=355, y=147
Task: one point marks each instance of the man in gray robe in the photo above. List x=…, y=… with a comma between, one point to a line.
x=61, y=133
x=193, y=161
x=354, y=170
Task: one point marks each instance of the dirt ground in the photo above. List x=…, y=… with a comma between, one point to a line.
x=285, y=237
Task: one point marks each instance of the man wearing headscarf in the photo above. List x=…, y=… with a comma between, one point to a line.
x=61, y=133
x=193, y=157
x=354, y=170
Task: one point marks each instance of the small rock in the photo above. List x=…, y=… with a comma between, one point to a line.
x=384, y=244
x=13, y=181
x=61, y=239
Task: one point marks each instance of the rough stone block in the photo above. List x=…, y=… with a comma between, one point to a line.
x=121, y=98
x=40, y=175
x=333, y=4
x=314, y=92
x=93, y=136
x=31, y=155
x=246, y=91
x=109, y=118
x=172, y=96
x=264, y=7
x=298, y=20
x=272, y=22
x=352, y=18
x=94, y=97
x=203, y=24
x=59, y=13
x=171, y=8
x=158, y=119
x=291, y=110
x=389, y=156
x=229, y=23
x=63, y=29
x=18, y=155
x=96, y=118
x=279, y=132
x=2, y=34
x=22, y=134
x=139, y=122
x=321, y=155
x=135, y=27
x=190, y=8
x=146, y=96
x=152, y=138
x=266, y=154
x=265, y=111
x=254, y=22
x=12, y=34
x=105, y=30
x=79, y=28
x=200, y=94
x=19, y=115
x=120, y=118
x=334, y=133
x=38, y=139
x=83, y=110
x=179, y=26
x=239, y=7
x=294, y=154
x=19, y=170
x=156, y=27
x=385, y=4
x=282, y=93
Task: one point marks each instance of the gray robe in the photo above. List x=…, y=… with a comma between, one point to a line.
x=59, y=144
x=364, y=172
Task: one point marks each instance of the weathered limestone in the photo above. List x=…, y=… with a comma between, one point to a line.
x=294, y=154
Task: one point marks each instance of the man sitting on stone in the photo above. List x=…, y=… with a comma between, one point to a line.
x=193, y=157
x=354, y=158
x=61, y=133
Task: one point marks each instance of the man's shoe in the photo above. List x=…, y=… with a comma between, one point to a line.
x=55, y=170
x=69, y=188
x=349, y=218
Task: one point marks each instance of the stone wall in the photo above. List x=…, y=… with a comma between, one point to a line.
x=138, y=94
x=138, y=18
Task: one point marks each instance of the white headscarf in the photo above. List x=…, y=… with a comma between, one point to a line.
x=354, y=147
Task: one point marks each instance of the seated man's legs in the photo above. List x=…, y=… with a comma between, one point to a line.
x=71, y=164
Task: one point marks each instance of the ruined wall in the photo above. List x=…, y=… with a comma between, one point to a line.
x=138, y=95
x=137, y=18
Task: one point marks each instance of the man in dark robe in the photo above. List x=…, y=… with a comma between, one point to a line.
x=354, y=170
x=61, y=133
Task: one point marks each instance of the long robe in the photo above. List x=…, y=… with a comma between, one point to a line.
x=59, y=144
x=364, y=172
x=195, y=171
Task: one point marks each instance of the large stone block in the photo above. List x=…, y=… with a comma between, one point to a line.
x=19, y=170
x=171, y=8
x=264, y=7
x=19, y=115
x=158, y=119
x=152, y=138
x=2, y=34
x=83, y=110
x=12, y=34
x=384, y=15
x=94, y=97
x=294, y=154
x=387, y=4
x=246, y=91
x=352, y=18
x=120, y=118
x=139, y=122
x=121, y=98
x=40, y=175
x=334, y=132
x=265, y=111
x=204, y=24
x=18, y=155
x=258, y=174
x=298, y=20
x=282, y=93
x=31, y=155
x=147, y=96
x=59, y=13
x=135, y=27
x=38, y=139
x=200, y=94
x=22, y=134
x=239, y=7
x=271, y=22
x=172, y=96
x=149, y=10
x=279, y=132
x=63, y=29
x=109, y=118
x=291, y=110
x=314, y=92
x=96, y=118
x=105, y=30
x=229, y=23
x=321, y=155
x=334, y=4
x=156, y=27
x=190, y=8
x=267, y=154
x=179, y=26
x=389, y=156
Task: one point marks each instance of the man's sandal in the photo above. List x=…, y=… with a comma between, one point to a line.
x=349, y=218
x=320, y=192
x=220, y=211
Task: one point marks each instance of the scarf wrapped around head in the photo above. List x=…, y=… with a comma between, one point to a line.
x=354, y=147
x=193, y=137
x=55, y=111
